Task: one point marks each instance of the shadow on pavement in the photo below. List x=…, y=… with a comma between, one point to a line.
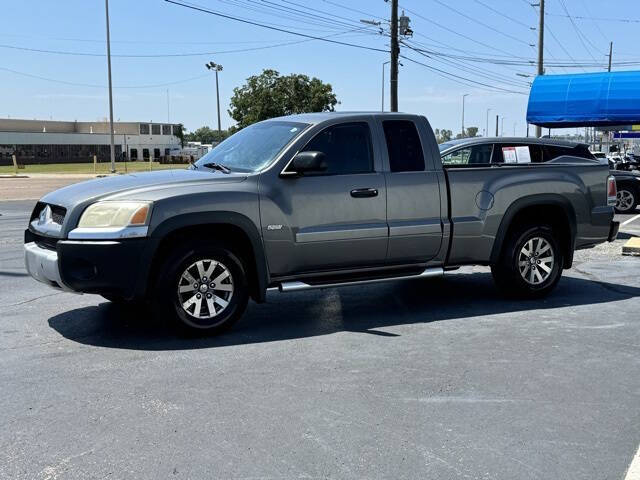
x=321, y=312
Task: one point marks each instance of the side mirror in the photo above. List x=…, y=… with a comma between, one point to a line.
x=307, y=162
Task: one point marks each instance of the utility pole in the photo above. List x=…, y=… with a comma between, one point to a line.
x=610, y=52
x=113, y=153
x=216, y=68
x=496, y=125
x=463, y=97
x=540, y=53
x=395, y=50
x=487, y=129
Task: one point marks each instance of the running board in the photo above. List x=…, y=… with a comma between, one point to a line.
x=296, y=286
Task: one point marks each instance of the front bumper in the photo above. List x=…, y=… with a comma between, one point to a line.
x=42, y=264
x=103, y=267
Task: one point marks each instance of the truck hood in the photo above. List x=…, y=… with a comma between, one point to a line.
x=135, y=183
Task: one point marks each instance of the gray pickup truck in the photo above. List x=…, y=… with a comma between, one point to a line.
x=319, y=200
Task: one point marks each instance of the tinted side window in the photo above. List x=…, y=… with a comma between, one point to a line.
x=403, y=145
x=347, y=147
x=553, y=151
x=478, y=155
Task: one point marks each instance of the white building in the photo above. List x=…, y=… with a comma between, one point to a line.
x=47, y=141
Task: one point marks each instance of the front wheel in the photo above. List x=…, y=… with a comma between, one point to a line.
x=203, y=288
x=531, y=262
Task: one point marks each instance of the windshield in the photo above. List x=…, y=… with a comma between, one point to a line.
x=445, y=145
x=253, y=147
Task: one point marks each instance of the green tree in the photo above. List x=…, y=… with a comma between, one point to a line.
x=469, y=132
x=271, y=95
x=443, y=135
x=472, y=131
x=179, y=132
x=207, y=135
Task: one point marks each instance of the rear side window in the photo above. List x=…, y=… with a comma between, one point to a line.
x=347, y=148
x=403, y=145
x=552, y=151
x=517, y=153
x=478, y=155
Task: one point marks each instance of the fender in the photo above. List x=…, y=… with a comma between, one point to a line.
x=538, y=200
x=209, y=218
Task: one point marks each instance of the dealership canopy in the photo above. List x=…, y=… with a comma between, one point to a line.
x=585, y=100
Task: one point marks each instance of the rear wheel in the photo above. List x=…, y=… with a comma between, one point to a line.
x=626, y=201
x=203, y=288
x=531, y=262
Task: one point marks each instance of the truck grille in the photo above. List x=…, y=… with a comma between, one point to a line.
x=57, y=212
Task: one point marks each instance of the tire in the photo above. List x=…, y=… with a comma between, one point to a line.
x=540, y=275
x=627, y=200
x=196, y=304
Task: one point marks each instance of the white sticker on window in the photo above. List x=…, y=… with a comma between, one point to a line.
x=294, y=130
x=523, y=155
x=509, y=155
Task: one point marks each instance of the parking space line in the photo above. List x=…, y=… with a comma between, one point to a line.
x=630, y=220
x=634, y=469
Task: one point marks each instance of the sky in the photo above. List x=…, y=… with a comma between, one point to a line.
x=168, y=81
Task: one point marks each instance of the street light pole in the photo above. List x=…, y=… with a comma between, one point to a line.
x=488, y=110
x=463, y=97
x=112, y=151
x=216, y=68
x=383, y=64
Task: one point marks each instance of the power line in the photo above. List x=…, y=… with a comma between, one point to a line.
x=455, y=32
x=230, y=17
x=575, y=27
x=354, y=10
x=603, y=19
x=514, y=20
x=512, y=37
x=77, y=84
x=165, y=55
x=444, y=72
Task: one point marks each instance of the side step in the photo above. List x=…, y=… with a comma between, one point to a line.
x=296, y=286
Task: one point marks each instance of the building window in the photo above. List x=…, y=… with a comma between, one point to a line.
x=145, y=153
x=167, y=152
x=156, y=153
x=144, y=129
x=166, y=129
x=134, y=153
x=155, y=129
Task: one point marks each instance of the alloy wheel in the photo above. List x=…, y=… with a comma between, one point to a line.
x=536, y=260
x=205, y=289
x=624, y=200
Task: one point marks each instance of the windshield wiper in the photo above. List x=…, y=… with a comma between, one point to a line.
x=217, y=166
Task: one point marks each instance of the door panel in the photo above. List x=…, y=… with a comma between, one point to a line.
x=323, y=225
x=413, y=210
x=413, y=196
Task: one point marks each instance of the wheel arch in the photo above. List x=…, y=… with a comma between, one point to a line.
x=550, y=208
x=238, y=229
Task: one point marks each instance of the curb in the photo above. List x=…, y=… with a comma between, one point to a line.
x=632, y=247
x=14, y=176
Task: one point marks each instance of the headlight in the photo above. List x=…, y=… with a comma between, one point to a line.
x=115, y=215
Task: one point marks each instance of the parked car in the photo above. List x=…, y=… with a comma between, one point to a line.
x=322, y=200
x=628, y=186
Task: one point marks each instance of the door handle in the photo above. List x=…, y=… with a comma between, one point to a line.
x=364, y=192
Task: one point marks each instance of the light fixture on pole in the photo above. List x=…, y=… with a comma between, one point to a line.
x=216, y=68
x=463, y=97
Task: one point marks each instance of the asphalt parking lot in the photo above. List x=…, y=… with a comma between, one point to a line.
x=418, y=379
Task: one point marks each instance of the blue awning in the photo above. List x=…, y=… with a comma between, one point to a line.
x=585, y=100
